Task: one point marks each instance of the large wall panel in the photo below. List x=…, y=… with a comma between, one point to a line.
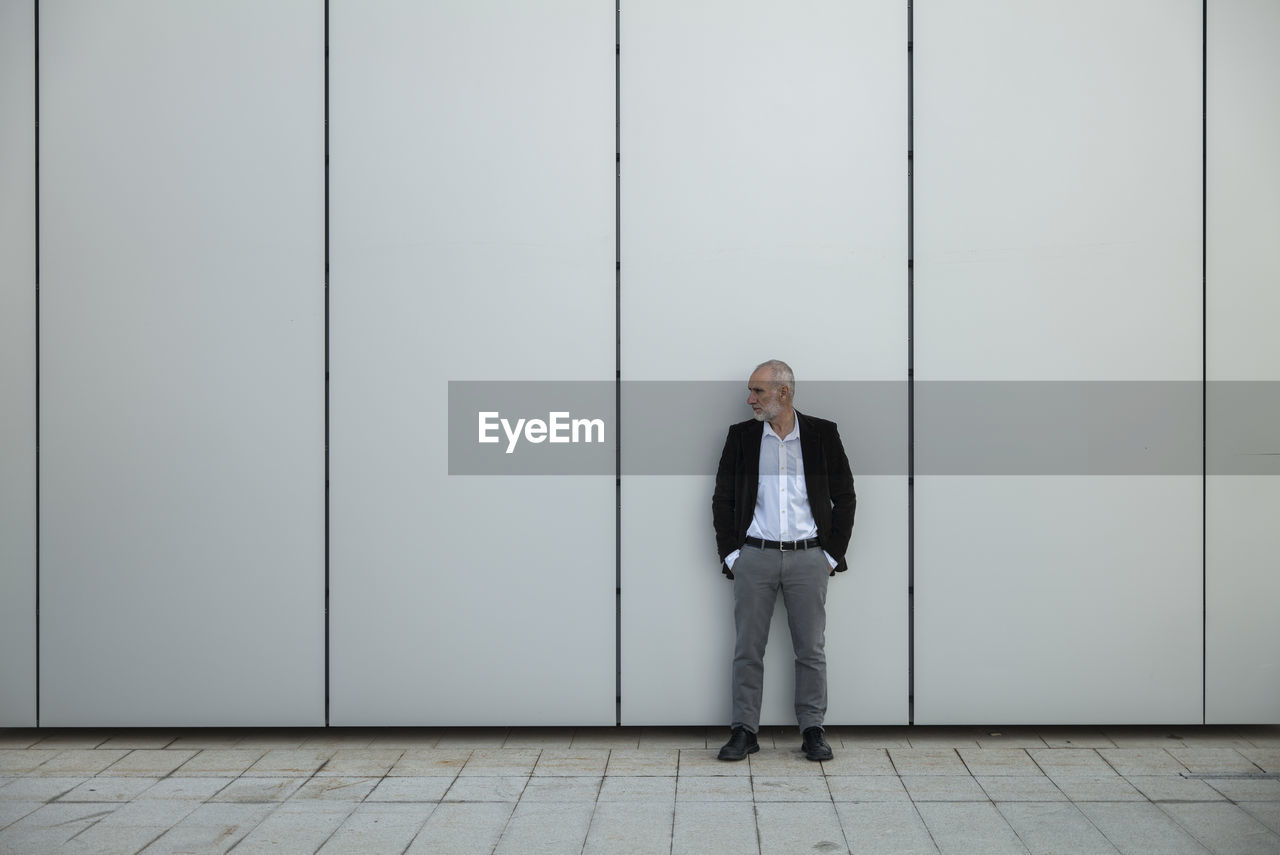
x=1242, y=644
x=472, y=239
x=182, y=347
x=1057, y=238
x=764, y=215
x=17, y=366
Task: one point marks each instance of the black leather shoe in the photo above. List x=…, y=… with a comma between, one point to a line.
x=742, y=743
x=815, y=747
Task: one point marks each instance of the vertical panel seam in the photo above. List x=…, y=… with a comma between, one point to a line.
x=36, y=249
x=911, y=392
x=1204, y=361
x=617, y=355
x=326, y=363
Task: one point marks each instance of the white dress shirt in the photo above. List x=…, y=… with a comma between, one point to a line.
x=782, y=500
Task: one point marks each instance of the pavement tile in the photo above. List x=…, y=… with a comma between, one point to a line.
x=1141, y=761
x=701, y=828
x=47, y=828
x=338, y=789
x=680, y=737
x=859, y=761
x=1071, y=761
x=12, y=811
x=421, y=789
x=415, y=762
x=803, y=827
x=149, y=762
x=72, y=738
x=645, y=761
x=220, y=762
x=1175, y=788
x=152, y=812
x=943, y=788
x=1073, y=737
x=201, y=738
x=1014, y=788
x=406, y=737
x=869, y=737
x=546, y=828
x=1267, y=813
x=79, y=761
x=15, y=761
x=140, y=738
x=998, y=761
x=702, y=762
x=630, y=828
x=867, y=788
x=788, y=762
x=559, y=788
x=487, y=788
x=893, y=828
x=288, y=762
x=39, y=789
x=1053, y=828
x=794, y=788
x=1141, y=828
x=572, y=762
x=1266, y=759
x=648, y=789
x=927, y=761
x=210, y=828
x=1236, y=789
x=1011, y=737
x=538, y=737
x=377, y=829
x=1144, y=736
x=502, y=761
x=102, y=838
x=1224, y=828
x=295, y=827
x=622, y=738
x=1207, y=761
x=349, y=738
x=259, y=790
x=713, y=788
x=965, y=828
x=462, y=829
x=347, y=762
x=274, y=738
x=195, y=789
x=20, y=737
x=109, y=789
x=945, y=737
x=1096, y=788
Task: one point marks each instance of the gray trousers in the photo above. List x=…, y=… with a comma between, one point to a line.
x=758, y=574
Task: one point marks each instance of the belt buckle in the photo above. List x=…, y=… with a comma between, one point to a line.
x=787, y=545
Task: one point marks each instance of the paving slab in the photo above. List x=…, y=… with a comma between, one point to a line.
x=1235, y=789
x=547, y=828
x=661, y=762
x=790, y=788
x=288, y=762
x=421, y=789
x=1096, y=788
x=630, y=828
x=789, y=762
x=867, y=788
x=1140, y=828
x=1266, y=759
x=430, y=762
x=79, y=761
x=462, y=829
x=300, y=828
x=998, y=761
x=193, y=789
x=472, y=737
x=1207, y=761
x=1173, y=788
x=1015, y=788
x=1142, y=761
x=682, y=737
x=104, y=789
x=799, y=829
x=1225, y=829
x=539, y=737
x=220, y=762
x=14, y=761
x=943, y=788
x=869, y=737
x=703, y=828
x=562, y=789
x=859, y=761
x=606, y=737
x=1051, y=828
x=487, y=788
x=149, y=762
x=336, y=789
x=713, y=788
x=501, y=761
x=259, y=790
x=571, y=762
x=965, y=828
x=1082, y=761
x=1267, y=813
x=377, y=829
x=39, y=789
x=885, y=829
x=648, y=789
x=12, y=811
x=702, y=762
x=361, y=762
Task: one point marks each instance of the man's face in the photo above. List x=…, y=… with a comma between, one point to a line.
x=763, y=395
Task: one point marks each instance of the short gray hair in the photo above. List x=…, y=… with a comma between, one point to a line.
x=780, y=373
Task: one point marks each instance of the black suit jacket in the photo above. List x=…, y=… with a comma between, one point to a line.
x=827, y=477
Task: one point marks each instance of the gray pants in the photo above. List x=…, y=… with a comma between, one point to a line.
x=802, y=576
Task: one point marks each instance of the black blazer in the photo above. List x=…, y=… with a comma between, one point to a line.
x=827, y=477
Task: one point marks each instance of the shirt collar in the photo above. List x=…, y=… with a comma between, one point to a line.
x=794, y=434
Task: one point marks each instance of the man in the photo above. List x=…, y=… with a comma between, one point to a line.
x=783, y=512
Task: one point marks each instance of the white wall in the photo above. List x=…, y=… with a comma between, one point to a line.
x=1243, y=485
x=1057, y=238
x=17, y=366
x=181, y=363
x=472, y=239
x=763, y=216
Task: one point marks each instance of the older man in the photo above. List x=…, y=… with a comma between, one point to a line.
x=783, y=513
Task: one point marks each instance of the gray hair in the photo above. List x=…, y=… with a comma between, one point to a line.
x=780, y=373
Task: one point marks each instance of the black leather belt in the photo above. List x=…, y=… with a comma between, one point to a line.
x=784, y=545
